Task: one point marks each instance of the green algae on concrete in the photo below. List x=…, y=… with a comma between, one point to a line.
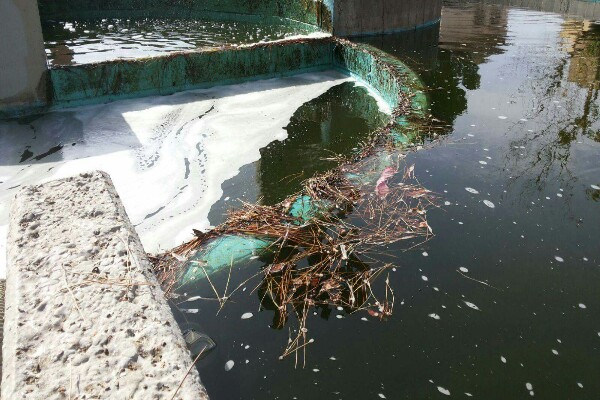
x=113, y=80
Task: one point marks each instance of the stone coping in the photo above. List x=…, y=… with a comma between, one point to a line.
x=85, y=316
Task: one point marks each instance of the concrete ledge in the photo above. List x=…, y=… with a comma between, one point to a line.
x=85, y=317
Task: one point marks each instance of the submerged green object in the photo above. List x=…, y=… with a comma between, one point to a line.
x=305, y=208
x=222, y=252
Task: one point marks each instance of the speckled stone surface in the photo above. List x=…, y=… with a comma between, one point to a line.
x=85, y=317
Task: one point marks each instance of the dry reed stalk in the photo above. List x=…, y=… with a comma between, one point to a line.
x=317, y=262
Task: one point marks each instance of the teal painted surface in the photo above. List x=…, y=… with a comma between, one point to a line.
x=100, y=82
x=82, y=84
x=305, y=209
x=222, y=252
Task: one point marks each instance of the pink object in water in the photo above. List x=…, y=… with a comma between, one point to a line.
x=382, y=189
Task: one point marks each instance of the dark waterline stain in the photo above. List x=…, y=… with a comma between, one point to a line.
x=27, y=154
x=187, y=167
x=52, y=150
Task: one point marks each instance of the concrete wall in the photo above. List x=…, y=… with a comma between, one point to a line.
x=22, y=56
x=307, y=11
x=85, y=316
x=370, y=17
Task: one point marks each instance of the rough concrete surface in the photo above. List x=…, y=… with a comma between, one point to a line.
x=85, y=317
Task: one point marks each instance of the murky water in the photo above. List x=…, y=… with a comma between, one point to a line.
x=82, y=42
x=503, y=302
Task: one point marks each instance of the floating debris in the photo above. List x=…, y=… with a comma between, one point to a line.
x=313, y=248
x=489, y=204
x=247, y=315
x=443, y=390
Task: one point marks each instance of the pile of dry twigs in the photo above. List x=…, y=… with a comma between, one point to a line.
x=321, y=261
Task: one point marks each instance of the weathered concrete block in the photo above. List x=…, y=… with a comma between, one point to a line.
x=85, y=316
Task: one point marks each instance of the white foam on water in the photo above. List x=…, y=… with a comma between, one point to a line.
x=247, y=315
x=443, y=391
x=489, y=204
x=167, y=155
x=471, y=305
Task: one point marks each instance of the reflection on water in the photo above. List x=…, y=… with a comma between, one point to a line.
x=87, y=41
x=503, y=302
x=330, y=125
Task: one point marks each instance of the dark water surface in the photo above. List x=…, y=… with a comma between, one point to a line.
x=518, y=91
x=87, y=41
x=330, y=125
